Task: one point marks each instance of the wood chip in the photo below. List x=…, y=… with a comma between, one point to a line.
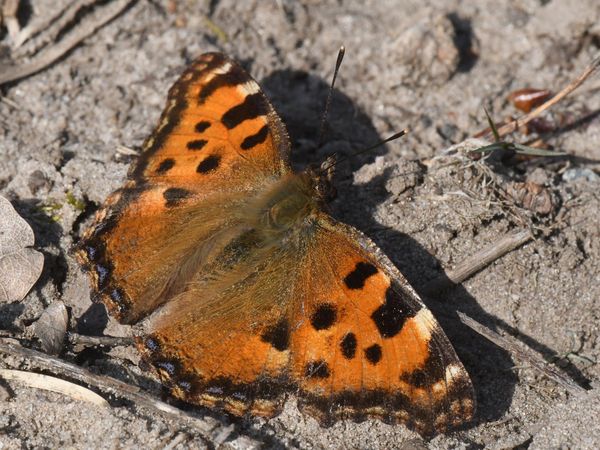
x=53, y=384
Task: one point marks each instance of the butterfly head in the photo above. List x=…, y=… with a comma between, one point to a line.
x=321, y=180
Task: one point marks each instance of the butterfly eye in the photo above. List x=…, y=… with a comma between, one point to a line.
x=325, y=190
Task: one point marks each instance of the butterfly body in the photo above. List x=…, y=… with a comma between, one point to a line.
x=288, y=208
x=244, y=289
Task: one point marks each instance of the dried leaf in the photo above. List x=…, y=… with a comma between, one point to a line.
x=51, y=328
x=531, y=196
x=20, y=265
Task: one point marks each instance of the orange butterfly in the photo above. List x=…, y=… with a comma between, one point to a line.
x=244, y=289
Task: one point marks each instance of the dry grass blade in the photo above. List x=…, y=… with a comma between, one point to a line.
x=509, y=146
x=523, y=354
x=49, y=56
x=517, y=148
x=53, y=384
x=492, y=125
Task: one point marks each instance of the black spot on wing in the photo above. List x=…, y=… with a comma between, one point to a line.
x=165, y=165
x=208, y=164
x=198, y=144
x=390, y=317
x=317, y=369
x=323, y=317
x=434, y=368
x=171, y=116
x=417, y=378
x=356, y=279
x=278, y=335
x=175, y=195
x=253, y=106
x=373, y=353
x=202, y=126
x=255, y=139
x=348, y=346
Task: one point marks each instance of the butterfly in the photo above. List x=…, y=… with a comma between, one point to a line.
x=244, y=290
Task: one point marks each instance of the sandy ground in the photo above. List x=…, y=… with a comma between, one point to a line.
x=431, y=66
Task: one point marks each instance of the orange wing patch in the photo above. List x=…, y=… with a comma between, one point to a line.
x=218, y=139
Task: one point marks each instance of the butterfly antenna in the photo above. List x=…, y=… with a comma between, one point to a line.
x=393, y=137
x=338, y=63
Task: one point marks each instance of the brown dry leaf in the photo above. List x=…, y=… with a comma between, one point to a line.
x=20, y=265
x=531, y=196
x=51, y=328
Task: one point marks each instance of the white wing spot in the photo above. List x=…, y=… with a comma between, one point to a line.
x=221, y=70
x=453, y=371
x=423, y=322
x=249, y=88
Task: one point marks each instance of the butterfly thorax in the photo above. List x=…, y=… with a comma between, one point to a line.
x=291, y=205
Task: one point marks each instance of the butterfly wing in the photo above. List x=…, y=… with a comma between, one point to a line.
x=218, y=139
x=329, y=318
x=367, y=346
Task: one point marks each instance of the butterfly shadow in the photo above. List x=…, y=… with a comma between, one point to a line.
x=299, y=98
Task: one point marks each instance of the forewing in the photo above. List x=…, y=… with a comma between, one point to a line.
x=218, y=140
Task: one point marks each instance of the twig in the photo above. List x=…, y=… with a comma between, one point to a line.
x=527, y=355
x=46, y=29
x=104, y=383
x=9, y=102
x=68, y=43
x=524, y=120
x=478, y=261
x=53, y=384
x=97, y=341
